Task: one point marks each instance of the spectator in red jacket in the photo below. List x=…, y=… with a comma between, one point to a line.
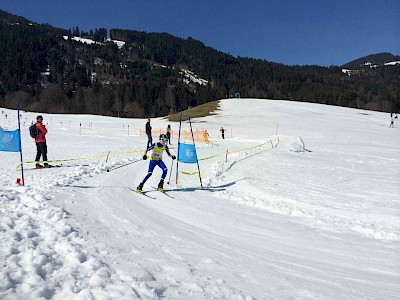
x=40, y=140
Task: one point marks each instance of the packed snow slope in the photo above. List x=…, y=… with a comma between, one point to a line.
x=299, y=201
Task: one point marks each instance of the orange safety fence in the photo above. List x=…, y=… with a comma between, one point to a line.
x=200, y=136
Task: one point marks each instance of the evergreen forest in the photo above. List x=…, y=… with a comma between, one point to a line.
x=53, y=70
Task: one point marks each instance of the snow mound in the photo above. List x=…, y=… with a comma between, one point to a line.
x=291, y=143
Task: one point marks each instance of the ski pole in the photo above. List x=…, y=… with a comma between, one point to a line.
x=170, y=172
x=132, y=162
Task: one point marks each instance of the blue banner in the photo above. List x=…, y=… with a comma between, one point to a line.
x=10, y=141
x=187, y=153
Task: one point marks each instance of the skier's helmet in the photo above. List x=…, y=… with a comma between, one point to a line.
x=39, y=117
x=163, y=137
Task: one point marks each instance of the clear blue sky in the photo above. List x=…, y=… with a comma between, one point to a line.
x=292, y=32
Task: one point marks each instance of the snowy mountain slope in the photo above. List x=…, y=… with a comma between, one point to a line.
x=270, y=223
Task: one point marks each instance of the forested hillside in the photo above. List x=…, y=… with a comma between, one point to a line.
x=139, y=74
x=373, y=59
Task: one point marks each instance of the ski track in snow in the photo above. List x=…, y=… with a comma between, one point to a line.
x=327, y=218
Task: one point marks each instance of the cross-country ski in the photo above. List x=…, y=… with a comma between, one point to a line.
x=142, y=193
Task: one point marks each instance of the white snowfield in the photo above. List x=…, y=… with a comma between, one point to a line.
x=313, y=212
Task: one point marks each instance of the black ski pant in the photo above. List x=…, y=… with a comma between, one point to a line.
x=41, y=150
x=149, y=140
x=169, y=137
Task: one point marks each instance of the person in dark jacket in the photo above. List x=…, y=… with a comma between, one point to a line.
x=41, y=145
x=169, y=134
x=391, y=121
x=148, y=132
x=222, y=132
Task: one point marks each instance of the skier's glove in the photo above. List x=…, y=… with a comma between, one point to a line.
x=144, y=157
x=173, y=157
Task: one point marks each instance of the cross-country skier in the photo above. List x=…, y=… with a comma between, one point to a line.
x=156, y=160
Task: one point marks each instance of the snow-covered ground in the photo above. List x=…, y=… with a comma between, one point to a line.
x=313, y=212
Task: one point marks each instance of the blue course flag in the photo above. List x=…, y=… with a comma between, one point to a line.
x=187, y=153
x=10, y=141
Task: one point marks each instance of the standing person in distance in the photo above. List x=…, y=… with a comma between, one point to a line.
x=222, y=132
x=156, y=160
x=148, y=132
x=41, y=145
x=169, y=134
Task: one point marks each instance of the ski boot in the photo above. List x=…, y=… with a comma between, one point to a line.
x=161, y=185
x=38, y=166
x=139, y=189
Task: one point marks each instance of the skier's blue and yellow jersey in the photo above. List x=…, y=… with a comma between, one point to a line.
x=157, y=151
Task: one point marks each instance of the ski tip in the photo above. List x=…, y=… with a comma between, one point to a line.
x=140, y=192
